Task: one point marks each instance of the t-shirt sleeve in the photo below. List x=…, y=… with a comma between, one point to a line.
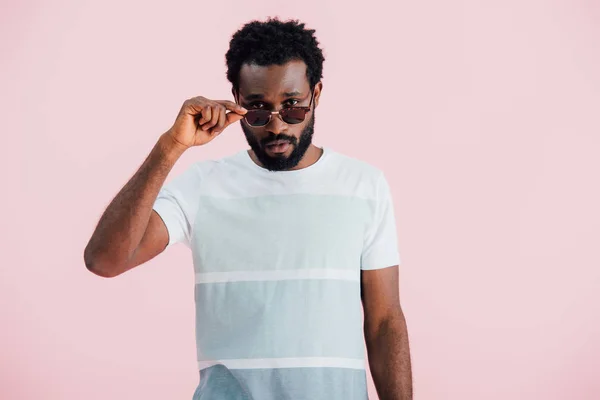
x=177, y=204
x=380, y=248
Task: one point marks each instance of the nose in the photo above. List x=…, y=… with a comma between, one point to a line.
x=276, y=125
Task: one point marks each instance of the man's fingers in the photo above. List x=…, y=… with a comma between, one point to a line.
x=206, y=115
x=231, y=106
x=222, y=120
x=215, y=112
x=218, y=128
x=213, y=116
x=231, y=118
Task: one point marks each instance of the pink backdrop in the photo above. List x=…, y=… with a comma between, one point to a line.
x=484, y=115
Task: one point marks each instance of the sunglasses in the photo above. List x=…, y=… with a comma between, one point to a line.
x=289, y=115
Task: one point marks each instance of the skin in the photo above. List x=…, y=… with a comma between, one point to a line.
x=130, y=232
x=386, y=334
x=274, y=87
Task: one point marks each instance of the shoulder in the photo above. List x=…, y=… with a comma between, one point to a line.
x=350, y=171
x=212, y=177
x=355, y=165
x=202, y=169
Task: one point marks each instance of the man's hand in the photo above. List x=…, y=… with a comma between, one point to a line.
x=200, y=120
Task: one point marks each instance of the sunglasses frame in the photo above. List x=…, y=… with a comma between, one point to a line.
x=306, y=110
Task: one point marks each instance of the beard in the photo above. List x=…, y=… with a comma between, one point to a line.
x=281, y=163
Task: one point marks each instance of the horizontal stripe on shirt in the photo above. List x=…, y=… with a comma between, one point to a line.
x=300, y=362
x=278, y=275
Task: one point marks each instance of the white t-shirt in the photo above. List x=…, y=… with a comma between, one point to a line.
x=277, y=260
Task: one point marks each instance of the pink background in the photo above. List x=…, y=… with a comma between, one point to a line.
x=484, y=115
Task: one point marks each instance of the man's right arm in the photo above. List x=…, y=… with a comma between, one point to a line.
x=130, y=232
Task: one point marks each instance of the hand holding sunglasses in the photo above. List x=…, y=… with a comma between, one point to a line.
x=200, y=120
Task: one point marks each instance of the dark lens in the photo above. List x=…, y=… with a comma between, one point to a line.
x=257, y=117
x=293, y=115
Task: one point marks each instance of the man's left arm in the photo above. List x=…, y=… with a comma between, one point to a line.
x=386, y=334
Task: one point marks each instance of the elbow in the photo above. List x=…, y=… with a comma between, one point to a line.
x=391, y=324
x=100, y=267
x=104, y=273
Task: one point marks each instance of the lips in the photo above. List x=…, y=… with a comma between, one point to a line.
x=278, y=147
x=278, y=142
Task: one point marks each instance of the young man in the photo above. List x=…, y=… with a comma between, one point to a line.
x=287, y=238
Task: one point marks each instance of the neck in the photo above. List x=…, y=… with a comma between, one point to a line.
x=312, y=155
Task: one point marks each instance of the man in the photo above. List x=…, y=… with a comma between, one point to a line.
x=287, y=238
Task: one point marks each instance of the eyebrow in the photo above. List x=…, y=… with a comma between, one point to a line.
x=260, y=96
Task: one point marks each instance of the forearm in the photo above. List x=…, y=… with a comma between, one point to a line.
x=389, y=358
x=124, y=221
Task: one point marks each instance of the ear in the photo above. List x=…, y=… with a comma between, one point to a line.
x=234, y=94
x=318, y=89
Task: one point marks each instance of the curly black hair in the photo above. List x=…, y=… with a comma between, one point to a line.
x=274, y=42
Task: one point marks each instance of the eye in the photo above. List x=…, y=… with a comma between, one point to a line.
x=291, y=102
x=257, y=105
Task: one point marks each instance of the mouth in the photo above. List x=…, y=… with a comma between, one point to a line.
x=278, y=146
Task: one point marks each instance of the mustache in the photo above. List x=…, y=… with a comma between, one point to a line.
x=275, y=138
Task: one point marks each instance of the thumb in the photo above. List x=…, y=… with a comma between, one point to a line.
x=232, y=117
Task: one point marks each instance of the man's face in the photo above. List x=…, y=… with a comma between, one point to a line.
x=278, y=145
